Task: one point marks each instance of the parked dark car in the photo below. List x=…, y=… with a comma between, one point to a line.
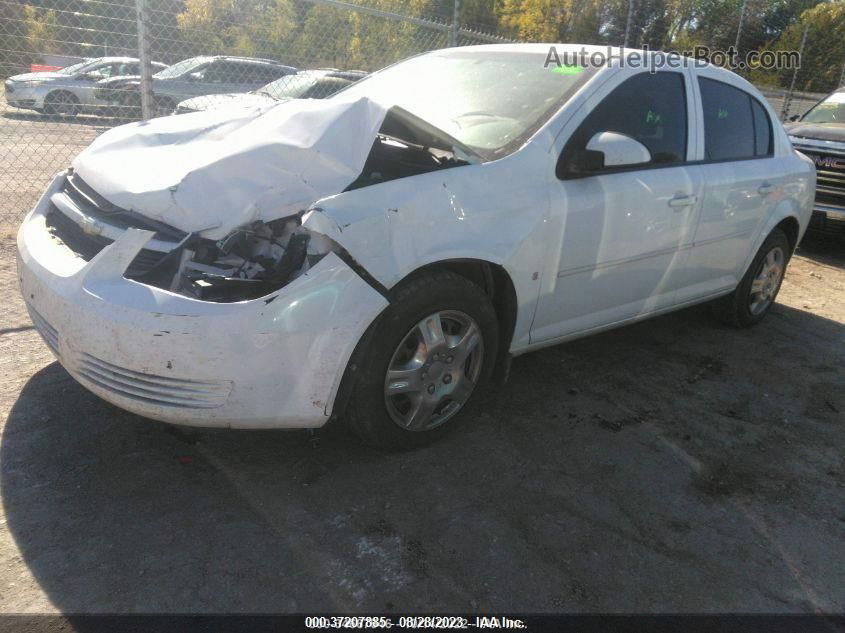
x=306, y=84
x=196, y=76
x=820, y=134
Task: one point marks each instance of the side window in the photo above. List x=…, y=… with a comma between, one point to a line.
x=736, y=126
x=763, y=145
x=325, y=88
x=246, y=74
x=105, y=70
x=217, y=73
x=649, y=107
x=266, y=74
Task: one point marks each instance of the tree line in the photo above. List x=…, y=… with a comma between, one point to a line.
x=309, y=34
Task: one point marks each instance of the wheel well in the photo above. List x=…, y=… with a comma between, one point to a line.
x=497, y=283
x=790, y=227
x=491, y=278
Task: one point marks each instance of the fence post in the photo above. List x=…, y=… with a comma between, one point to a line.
x=146, y=87
x=628, y=23
x=456, y=24
x=787, y=101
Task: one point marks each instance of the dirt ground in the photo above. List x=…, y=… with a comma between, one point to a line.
x=674, y=466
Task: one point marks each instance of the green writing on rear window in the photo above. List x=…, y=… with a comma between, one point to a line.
x=567, y=70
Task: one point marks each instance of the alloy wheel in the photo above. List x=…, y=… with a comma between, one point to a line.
x=434, y=370
x=767, y=281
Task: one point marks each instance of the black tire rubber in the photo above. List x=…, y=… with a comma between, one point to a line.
x=366, y=414
x=50, y=104
x=733, y=309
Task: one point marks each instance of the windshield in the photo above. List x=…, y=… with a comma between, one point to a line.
x=831, y=110
x=292, y=86
x=489, y=101
x=78, y=67
x=180, y=68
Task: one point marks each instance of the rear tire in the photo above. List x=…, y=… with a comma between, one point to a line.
x=425, y=360
x=756, y=293
x=61, y=103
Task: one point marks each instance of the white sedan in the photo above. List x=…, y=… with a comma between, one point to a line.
x=378, y=255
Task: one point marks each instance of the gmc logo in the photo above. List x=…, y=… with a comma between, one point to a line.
x=829, y=162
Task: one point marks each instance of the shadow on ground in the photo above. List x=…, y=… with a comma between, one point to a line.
x=671, y=465
x=824, y=248
x=82, y=119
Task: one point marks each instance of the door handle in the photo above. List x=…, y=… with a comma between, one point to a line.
x=682, y=201
x=765, y=189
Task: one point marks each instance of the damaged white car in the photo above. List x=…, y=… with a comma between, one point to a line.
x=380, y=254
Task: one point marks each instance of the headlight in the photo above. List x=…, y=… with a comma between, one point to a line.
x=249, y=263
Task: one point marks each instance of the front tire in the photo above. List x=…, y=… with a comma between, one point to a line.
x=756, y=293
x=428, y=355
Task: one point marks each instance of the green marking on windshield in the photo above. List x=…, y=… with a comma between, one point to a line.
x=568, y=70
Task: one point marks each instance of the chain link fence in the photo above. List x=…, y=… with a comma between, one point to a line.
x=74, y=68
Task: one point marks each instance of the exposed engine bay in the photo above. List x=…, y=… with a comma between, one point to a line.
x=260, y=257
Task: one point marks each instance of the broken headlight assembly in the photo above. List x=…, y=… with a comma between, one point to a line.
x=249, y=263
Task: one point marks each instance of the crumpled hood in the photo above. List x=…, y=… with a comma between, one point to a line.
x=820, y=131
x=228, y=100
x=214, y=171
x=40, y=76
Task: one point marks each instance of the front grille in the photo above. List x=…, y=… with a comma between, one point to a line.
x=830, y=177
x=92, y=204
x=87, y=246
x=47, y=331
x=150, y=388
x=96, y=206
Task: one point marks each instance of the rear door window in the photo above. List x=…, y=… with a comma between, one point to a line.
x=736, y=126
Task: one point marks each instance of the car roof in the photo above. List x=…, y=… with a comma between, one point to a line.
x=347, y=74
x=258, y=60
x=114, y=59
x=656, y=55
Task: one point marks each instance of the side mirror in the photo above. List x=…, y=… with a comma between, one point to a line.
x=619, y=150
x=195, y=77
x=793, y=118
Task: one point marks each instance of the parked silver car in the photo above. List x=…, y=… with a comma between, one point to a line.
x=306, y=84
x=70, y=90
x=198, y=76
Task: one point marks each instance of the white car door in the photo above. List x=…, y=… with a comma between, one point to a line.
x=743, y=182
x=619, y=238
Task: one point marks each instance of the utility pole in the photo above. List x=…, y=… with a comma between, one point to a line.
x=628, y=23
x=788, y=99
x=739, y=27
x=456, y=24
x=146, y=86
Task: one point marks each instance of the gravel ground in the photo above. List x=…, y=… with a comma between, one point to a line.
x=674, y=465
